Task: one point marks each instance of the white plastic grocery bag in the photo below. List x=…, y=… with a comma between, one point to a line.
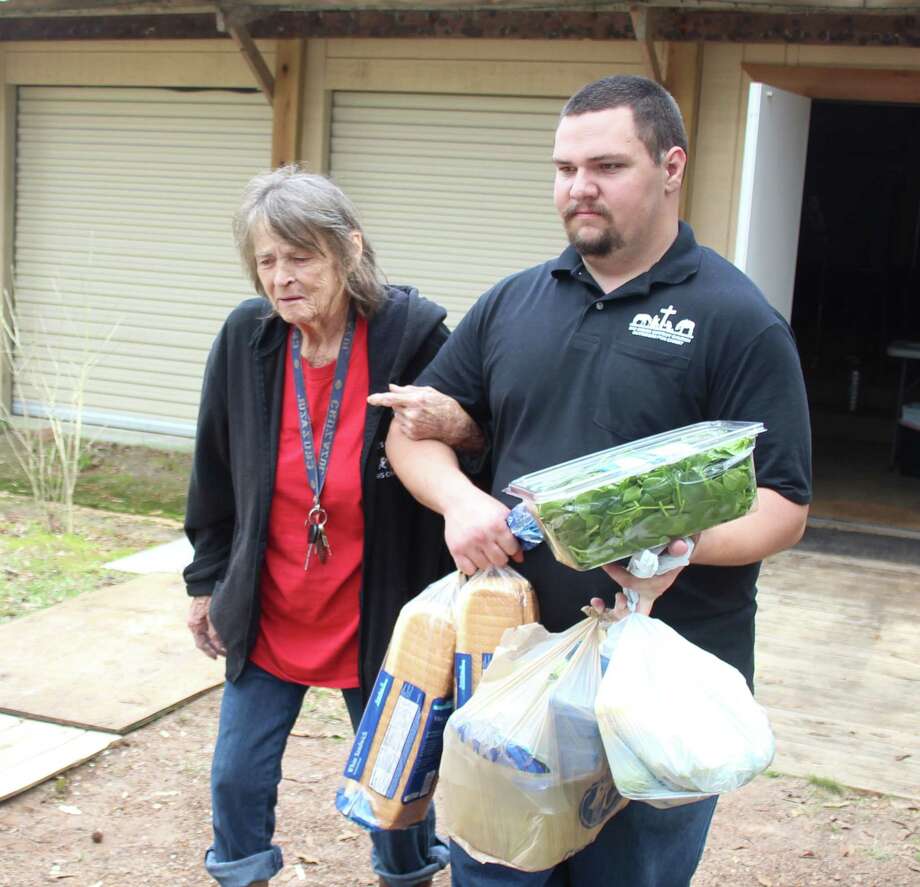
x=524, y=776
x=677, y=723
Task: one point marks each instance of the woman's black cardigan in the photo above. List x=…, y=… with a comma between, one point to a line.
x=233, y=476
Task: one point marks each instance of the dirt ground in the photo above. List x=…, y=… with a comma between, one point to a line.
x=139, y=815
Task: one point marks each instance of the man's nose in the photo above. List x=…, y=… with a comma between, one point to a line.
x=583, y=185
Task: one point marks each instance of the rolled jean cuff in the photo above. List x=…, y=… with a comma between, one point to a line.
x=439, y=857
x=242, y=872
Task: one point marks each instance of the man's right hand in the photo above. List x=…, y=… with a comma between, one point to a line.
x=199, y=623
x=477, y=534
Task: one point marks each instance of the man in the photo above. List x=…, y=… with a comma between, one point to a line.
x=633, y=330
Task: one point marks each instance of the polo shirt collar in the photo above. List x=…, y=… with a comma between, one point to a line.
x=682, y=260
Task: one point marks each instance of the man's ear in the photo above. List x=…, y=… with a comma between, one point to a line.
x=674, y=163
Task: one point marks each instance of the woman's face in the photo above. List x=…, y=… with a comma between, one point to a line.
x=304, y=286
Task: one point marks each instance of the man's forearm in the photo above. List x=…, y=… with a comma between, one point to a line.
x=428, y=469
x=776, y=524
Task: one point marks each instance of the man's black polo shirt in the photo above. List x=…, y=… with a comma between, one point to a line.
x=559, y=369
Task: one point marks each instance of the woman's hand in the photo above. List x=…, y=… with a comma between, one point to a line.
x=423, y=413
x=199, y=623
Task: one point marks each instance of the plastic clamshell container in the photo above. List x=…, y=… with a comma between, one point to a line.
x=611, y=504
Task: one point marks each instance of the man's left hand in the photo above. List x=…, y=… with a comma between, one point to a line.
x=649, y=590
x=423, y=413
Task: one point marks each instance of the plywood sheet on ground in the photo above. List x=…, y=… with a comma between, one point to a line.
x=838, y=668
x=33, y=751
x=111, y=659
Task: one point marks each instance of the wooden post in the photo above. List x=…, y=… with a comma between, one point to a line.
x=317, y=109
x=685, y=67
x=287, y=106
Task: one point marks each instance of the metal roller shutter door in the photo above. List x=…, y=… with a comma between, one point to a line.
x=124, y=200
x=455, y=192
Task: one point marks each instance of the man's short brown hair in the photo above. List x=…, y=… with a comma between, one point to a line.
x=659, y=124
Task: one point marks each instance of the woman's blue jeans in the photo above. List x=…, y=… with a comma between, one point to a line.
x=641, y=846
x=257, y=714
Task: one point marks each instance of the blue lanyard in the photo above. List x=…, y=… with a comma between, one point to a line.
x=316, y=469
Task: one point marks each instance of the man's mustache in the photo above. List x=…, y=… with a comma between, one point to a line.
x=573, y=208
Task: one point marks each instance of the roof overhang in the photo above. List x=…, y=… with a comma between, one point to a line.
x=833, y=22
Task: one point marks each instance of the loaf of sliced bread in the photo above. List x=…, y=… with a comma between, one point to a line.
x=490, y=602
x=392, y=769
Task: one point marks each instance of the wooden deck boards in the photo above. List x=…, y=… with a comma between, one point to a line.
x=33, y=751
x=838, y=669
x=109, y=660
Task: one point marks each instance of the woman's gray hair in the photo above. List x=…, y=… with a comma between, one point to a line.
x=309, y=211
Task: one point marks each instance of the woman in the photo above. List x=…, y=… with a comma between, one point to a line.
x=306, y=544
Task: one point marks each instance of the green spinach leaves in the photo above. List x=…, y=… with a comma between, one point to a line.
x=616, y=520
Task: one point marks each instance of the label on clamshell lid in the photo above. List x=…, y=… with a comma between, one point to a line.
x=673, y=452
x=632, y=463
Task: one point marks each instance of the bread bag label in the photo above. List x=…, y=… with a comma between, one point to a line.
x=397, y=741
x=463, y=677
x=424, y=773
x=370, y=720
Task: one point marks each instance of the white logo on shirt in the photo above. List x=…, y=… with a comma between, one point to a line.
x=384, y=470
x=660, y=327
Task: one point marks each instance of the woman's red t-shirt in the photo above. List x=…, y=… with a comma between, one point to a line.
x=308, y=631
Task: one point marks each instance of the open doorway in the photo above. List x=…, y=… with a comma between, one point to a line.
x=857, y=290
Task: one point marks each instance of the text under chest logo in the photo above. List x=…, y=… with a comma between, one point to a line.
x=660, y=327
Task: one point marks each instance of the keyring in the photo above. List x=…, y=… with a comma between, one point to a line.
x=317, y=516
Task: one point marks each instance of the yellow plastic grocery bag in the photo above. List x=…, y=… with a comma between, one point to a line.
x=524, y=776
x=677, y=723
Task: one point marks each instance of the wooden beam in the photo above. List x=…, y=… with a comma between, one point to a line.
x=643, y=22
x=239, y=32
x=288, y=102
x=670, y=25
x=845, y=84
x=13, y=8
x=843, y=28
x=30, y=8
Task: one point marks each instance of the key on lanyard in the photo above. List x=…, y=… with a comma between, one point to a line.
x=316, y=535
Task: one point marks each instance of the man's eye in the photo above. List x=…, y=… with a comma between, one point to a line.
x=611, y=167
